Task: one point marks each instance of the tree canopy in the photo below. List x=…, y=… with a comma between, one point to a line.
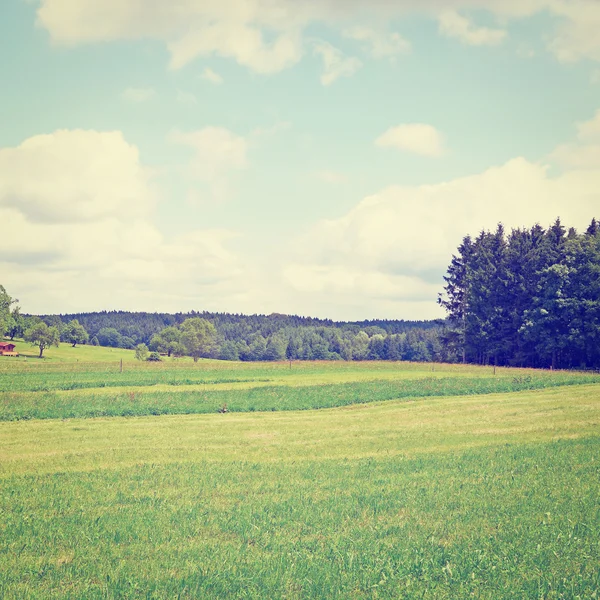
x=167, y=341
x=270, y=337
x=6, y=316
x=198, y=337
x=527, y=298
x=42, y=336
x=74, y=333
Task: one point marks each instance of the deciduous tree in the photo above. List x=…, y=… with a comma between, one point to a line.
x=5, y=303
x=198, y=337
x=42, y=336
x=167, y=341
x=74, y=333
x=16, y=324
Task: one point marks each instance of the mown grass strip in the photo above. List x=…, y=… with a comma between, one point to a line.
x=19, y=406
x=42, y=376
x=47, y=382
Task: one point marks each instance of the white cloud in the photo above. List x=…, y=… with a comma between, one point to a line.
x=138, y=95
x=378, y=256
x=457, y=26
x=577, y=156
x=212, y=76
x=74, y=176
x=216, y=152
x=585, y=153
x=238, y=28
x=79, y=208
x=388, y=253
x=346, y=280
x=589, y=130
x=239, y=41
x=216, y=149
x=186, y=98
x=577, y=37
x=379, y=44
x=335, y=63
x=418, y=138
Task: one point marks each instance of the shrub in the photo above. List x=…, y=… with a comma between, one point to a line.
x=141, y=352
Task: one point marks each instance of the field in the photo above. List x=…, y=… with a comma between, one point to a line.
x=322, y=480
x=66, y=353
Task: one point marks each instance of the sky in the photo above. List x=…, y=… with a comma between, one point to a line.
x=322, y=158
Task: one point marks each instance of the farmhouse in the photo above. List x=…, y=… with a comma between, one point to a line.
x=7, y=349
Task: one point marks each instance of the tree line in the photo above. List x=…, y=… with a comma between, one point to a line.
x=530, y=297
x=265, y=337
x=233, y=336
x=315, y=343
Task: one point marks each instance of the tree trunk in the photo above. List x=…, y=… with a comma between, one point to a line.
x=41, y=351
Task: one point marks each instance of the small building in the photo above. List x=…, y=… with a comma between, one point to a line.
x=7, y=349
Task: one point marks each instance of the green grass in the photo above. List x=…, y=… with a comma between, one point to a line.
x=45, y=390
x=407, y=483
x=491, y=497
x=249, y=395
x=41, y=390
x=66, y=353
x=388, y=529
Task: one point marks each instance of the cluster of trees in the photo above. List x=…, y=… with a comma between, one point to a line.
x=527, y=298
x=127, y=329
x=12, y=323
x=195, y=337
x=35, y=330
x=231, y=337
x=312, y=343
x=267, y=337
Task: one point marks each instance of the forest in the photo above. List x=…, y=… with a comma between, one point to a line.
x=527, y=298
x=268, y=337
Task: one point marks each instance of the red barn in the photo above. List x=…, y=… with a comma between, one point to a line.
x=7, y=349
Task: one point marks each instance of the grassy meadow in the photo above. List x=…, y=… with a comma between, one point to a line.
x=65, y=353
x=323, y=480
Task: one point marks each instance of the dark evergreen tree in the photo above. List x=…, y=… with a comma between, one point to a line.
x=531, y=298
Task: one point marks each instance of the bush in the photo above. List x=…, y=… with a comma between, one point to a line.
x=109, y=336
x=154, y=357
x=141, y=352
x=127, y=343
